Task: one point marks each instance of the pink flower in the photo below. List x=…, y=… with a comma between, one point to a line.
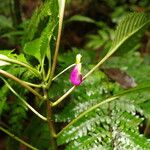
x=75, y=76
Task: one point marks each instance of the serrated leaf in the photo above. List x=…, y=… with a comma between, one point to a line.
x=131, y=25
x=41, y=30
x=46, y=38
x=37, y=22
x=127, y=29
x=39, y=15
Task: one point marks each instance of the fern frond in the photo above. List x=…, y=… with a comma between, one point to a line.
x=94, y=140
x=82, y=127
x=107, y=117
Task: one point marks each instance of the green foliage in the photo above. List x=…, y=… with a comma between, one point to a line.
x=114, y=125
x=137, y=22
x=5, y=23
x=3, y=98
x=99, y=114
x=32, y=48
x=6, y=54
x=83, y=98
x=116, y=122
x=80, y=18
x=127, y=31
x=139, y=71
x=40, y=31
x=40, y=135
x=101, y=40
x=48, y=9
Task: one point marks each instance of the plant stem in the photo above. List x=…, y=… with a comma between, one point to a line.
x=33, y=85
x=50, y=120
x=18, y=139
x=97, y=65
x=22, y=64
x=61, y=15
x=108, y=100
x=51, y=126
x=26, y=104
x=63, y=71
x=8, y=75
x=63, y=97
x=146, y=131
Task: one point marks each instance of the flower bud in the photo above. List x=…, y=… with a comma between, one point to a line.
x=75, y=75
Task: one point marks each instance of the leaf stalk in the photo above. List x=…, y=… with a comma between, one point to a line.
x=17, y=138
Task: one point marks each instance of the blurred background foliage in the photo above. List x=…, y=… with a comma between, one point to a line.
x=88, y=29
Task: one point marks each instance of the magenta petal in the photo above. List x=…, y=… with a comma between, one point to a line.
x=75, y=76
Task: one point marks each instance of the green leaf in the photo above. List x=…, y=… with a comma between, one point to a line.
x=91, y=141
x=127, y=31
x=48, y=32
x=5, y=23
x=11, y=54
x=39, y=15
x=41, y=30
x=46, y=37
x=3, y=63
x=6, y=54
x=39, y=19
x=32, y=48
x=81, y=19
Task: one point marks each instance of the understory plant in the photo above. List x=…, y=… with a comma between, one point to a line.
x=53, y=108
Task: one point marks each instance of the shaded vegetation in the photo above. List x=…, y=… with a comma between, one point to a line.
x=109, y=110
